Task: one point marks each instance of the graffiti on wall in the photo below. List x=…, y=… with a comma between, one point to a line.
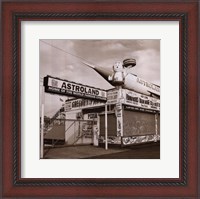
x=140, y=139
x=139, y=127
x=111, y=140
x=138, y=123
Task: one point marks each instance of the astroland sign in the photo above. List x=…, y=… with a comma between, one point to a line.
x=64, y=87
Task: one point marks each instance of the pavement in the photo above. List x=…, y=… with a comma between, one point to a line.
x=77, y=152
x=143, y=151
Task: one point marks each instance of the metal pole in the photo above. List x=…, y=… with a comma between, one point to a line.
x=122, y=121
x=42, y=126
x=156, y=127
x=106, y=127
x=120, y=101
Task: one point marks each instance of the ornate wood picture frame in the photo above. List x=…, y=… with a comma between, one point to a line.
x=186, y=185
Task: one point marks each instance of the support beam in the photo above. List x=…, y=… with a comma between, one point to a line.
x=106, y=127
x=42, y=126
x=42, y=133
x=156, y=126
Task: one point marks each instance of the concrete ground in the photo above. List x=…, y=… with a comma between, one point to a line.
x=77, y=152
x=144, y=151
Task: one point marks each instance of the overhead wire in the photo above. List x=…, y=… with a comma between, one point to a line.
x=76, y=56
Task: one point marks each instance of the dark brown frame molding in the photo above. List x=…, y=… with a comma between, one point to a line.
x=186, y=185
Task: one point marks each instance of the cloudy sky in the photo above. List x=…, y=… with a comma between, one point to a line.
x=62, y=58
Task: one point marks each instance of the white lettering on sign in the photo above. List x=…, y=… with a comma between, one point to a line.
x=64, y=87
x=139, y=100
x=112, y=96
x=81, y=103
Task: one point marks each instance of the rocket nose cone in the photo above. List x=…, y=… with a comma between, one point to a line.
x=103, y=72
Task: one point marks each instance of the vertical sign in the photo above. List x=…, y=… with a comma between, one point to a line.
x=118, y=113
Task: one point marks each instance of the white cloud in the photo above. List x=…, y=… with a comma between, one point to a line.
x=148, y=65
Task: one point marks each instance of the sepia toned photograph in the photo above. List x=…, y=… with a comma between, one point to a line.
x=99, y=99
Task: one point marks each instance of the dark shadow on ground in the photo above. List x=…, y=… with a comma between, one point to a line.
x=141, y=151
x=144, y=151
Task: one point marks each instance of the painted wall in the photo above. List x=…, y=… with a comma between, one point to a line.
x=138, y=123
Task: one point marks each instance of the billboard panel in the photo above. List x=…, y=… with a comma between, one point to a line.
x=64, y=87
x=139, y=100
x=112, y=96
x=76, y=104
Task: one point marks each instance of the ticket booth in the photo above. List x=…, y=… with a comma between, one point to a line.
x=134, y=119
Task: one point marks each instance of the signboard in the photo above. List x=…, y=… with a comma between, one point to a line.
x=87, y=129
x=81, y=103
x=118, y=113
x=63, y=87
x=112, y=96
x=133, y=108
x=138, y=100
